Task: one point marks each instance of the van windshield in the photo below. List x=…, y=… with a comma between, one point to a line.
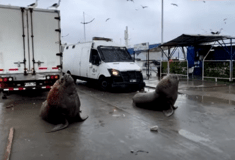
x=114, y=54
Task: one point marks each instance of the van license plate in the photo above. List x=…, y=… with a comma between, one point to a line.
x=132, y=80
x=30, y=84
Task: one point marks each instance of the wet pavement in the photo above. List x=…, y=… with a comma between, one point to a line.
x=202, y=127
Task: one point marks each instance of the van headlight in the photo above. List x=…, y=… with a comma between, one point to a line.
x=114, y=72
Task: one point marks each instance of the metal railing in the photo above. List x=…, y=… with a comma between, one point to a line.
x=218, y=69
x=179, y=68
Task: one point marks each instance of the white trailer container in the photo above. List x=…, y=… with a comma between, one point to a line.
x=30, y=48
x=102, y=61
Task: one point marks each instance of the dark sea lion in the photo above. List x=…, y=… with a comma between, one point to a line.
x=62, y=105
x=162, y=99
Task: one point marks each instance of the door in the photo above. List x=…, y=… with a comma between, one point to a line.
x=44, y=40
x=84, y=61
x=12, y=40
x=94, y=64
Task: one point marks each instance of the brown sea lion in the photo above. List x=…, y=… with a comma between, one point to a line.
x=162, y=99
x=62, y=105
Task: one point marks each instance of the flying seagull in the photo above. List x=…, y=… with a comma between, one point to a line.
x=33, y=5
x=174, y=4
x=55, y=5
x=218, y=32
x=204, y=1
x=144, y=7
x=107, y=19
x=225, y=20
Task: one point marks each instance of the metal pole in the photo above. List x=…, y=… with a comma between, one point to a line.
x=84, y=26
x=162, y=25
x=162, y=29
x=168, y=64
x=231, y=69
x=148, y=65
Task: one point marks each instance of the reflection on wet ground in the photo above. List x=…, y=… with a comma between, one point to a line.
x=202, y=127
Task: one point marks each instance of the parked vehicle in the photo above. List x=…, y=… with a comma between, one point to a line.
x=30, y=48
x=103, y=61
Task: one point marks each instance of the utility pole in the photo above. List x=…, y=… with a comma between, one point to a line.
x=162, y=25
x=85, y=25
x=162, y=29
x=126, y=36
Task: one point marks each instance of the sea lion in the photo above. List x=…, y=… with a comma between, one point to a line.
x=162, y=99
x=62, y=105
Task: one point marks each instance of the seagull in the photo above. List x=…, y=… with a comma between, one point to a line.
x=107, y=19
x=33, y=5
x=131, y=0
x=212, y=32
x=55, y=5
x=218, y=32
x=204, y=1
x=144, y=6
x=225, y=20
x=174, y=4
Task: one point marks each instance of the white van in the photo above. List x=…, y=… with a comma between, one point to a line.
x=102, y=61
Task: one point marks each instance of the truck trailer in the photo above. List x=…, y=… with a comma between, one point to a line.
x=30, y=48
x=102, y=61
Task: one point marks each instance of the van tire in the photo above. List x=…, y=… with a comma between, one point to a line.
x=104, y=83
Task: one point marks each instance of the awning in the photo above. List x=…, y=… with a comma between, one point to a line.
x=188, y=40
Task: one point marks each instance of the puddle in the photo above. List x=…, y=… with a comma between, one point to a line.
x=210, y=100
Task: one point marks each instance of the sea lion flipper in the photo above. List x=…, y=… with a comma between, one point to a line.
x=80, y=118
x=60, y=126
x=175, y=107
x=168, y=112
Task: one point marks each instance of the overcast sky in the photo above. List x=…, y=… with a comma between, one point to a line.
x=190, y=17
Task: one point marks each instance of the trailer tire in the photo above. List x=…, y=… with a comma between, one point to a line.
x=104, y=83
x=4, y=95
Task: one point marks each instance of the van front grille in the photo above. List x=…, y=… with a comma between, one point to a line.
x=132, y=75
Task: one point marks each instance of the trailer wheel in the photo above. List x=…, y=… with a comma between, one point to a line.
x=104, y=83
x=4, y=95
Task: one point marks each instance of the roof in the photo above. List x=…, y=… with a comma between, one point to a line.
x=188, y=40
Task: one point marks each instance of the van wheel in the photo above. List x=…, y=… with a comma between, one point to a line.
x=104, y=83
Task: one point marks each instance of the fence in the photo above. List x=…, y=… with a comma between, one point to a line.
x=218, y=69
x=149, y=71
x=179, y=68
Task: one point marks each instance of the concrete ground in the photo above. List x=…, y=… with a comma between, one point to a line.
x=202, y=127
